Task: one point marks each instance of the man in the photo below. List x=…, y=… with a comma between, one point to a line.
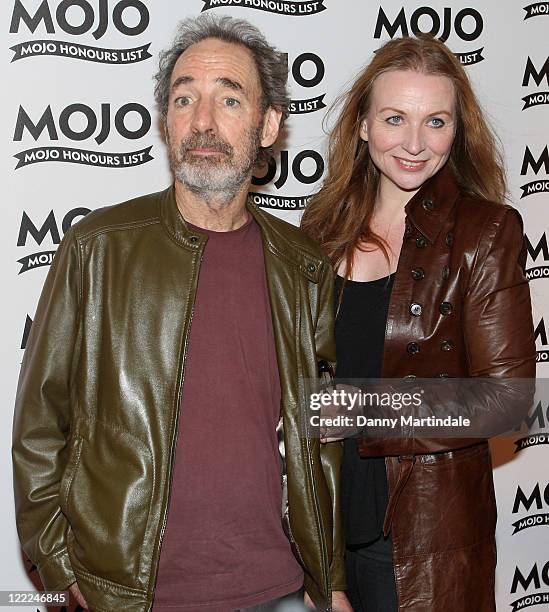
x=172, y=334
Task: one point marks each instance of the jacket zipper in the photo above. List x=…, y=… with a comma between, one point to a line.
x=177, y=420
x=319, y=524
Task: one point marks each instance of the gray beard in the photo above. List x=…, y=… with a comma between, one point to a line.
x=211, y=179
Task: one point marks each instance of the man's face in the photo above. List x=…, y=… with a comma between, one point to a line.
x=214, y=123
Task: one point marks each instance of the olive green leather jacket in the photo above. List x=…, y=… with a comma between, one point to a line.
x=97, y=407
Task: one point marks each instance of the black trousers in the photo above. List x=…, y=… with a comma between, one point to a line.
x=370, y=582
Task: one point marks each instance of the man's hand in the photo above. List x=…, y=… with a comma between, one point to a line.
x=340, y=603
x=78, y=595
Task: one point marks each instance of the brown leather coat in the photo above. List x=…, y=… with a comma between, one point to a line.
x=462, y=262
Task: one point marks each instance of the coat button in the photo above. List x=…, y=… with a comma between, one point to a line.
x=445, y=308
x=408, y=231
x=311, y=268
x=409, y=377
x=428, y=204
x=193, y=239
x=413, y=348
x=446, y=345
x=449, y=239
x=416, y=309
x=445, y=273
x=421, y=242
x=443, y=375
x=418, y=273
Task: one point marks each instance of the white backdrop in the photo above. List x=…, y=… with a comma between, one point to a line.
x=82, y=132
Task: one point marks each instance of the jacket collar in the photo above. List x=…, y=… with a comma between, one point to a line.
x=275, y=241
x=431, y=205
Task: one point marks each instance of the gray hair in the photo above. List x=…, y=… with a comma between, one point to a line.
x=272, y=65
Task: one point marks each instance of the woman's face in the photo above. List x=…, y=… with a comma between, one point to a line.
x=409, y=128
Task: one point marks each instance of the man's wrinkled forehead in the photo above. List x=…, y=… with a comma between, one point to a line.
x=226, y=64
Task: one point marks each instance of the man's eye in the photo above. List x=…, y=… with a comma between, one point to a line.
x=182, y=101
x=231, y=102
x=394, y=120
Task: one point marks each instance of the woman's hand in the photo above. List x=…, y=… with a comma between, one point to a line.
x=340, y=603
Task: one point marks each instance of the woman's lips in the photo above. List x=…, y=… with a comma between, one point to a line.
x=410, y=165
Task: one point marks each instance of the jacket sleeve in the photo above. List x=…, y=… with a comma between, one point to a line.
x=498, y=327
x=42, y=420
x=331, y=453
x=499, y=343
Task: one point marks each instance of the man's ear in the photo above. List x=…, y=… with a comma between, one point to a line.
x=271, y=126
x=364, y=130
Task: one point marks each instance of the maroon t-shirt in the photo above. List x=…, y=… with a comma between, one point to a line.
x=224, y=547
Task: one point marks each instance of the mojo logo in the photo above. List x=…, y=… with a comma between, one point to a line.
x=307, y=167
x=541, y=248
x=529, y=162
x=536, y=422
x=540, y=333
x=91, y=124
x=527, y=503
x=530, y=581
x=38, y=233
x=78, y=18
x=308, y=71
x=531, y=73
x=304, y=7
x=536, y=9
x=467, y=24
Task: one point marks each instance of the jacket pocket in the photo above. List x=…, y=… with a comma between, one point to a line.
x=70, y=471
x=107, y=505
x=449, y=501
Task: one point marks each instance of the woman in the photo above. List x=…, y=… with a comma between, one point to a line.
x=430, y=284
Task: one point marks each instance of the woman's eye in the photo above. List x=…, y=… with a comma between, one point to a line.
x=231, y=102
x=394, y=120
x=437, y=122
x=183, y=101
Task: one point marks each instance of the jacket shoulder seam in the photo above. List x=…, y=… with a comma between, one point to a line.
x=275, y=224
x=118, y=227
x=301, y=249
x=292, y=262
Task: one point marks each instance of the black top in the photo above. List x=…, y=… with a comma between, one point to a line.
x=360, y=336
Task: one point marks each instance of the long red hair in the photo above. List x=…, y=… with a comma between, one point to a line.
x=339, y=216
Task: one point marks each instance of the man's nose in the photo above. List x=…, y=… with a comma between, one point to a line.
x=414, y=141
x=203, y=119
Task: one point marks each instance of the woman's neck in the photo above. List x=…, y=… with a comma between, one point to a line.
x=391, y=201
